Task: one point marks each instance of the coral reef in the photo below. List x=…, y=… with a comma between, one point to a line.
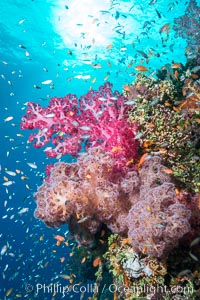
x=137, y=184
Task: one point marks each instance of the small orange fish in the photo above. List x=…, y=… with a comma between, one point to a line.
x=162, y=150
x=102, y=241
x=41, y=238
x=115, y=296
x=176, y=75
x=96, y=262
x=46, y=264
x=127, y=88
x=151, y=124
x=177, y=192
x=9, y=292
x=141, y=69
x=168, y=171
x=96, y=66
x=24, y=178
x=126, y=241
x=113, y=245
x=183, y=167
x=176, y=108
x=165, y=28
x=109, y=46
x=194, y=76
x=125, y=278
x=147, y=144
x=129, y=162
x=144, y=250
x=78, y=216
x=102, y=233
x=148, y=208
x=197, y=120
x=64, y=276
x=62, y=259
x=83, y=260
x=95, y=20
x=88, y=176
x=59, y=238
x=142, y=159
x=116, y=149
x=130, y=64
x=176, y=66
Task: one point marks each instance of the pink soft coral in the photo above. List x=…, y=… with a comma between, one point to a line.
x=99, y=118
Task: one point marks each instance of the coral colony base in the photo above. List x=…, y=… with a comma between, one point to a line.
x=123, y=182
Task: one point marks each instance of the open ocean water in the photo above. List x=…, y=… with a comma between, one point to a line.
x=52, y=48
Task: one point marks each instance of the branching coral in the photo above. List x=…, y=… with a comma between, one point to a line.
x=99, y=118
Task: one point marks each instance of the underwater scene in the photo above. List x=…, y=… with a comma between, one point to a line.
x=100, y=149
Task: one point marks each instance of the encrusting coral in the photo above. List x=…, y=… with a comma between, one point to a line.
x=168, y=124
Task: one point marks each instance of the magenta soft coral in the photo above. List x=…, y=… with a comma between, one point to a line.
x=99, y=118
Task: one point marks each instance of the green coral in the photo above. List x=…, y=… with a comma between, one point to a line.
x=165, y=130
x=149, y=88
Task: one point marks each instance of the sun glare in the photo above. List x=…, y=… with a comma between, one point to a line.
x=83, y=23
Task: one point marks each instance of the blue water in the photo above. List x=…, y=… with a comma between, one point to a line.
x=60, y=40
